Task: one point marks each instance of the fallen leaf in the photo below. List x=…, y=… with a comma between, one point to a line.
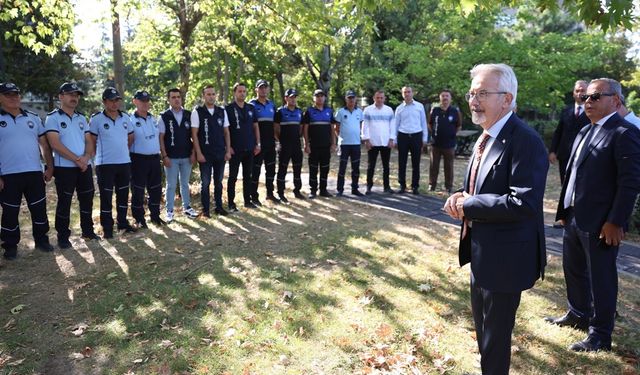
x=87, y=351
x=119, y=308
x=366, y=300
x=79, y=329
x=230, y=332
x=112, y=275
x=10, y=324
x=235, y=269
x=76, y=356
x=425, y=287
x=16, y=363
x=268, y=254
x=332, y=262
x=139, y=360
x=515, y=349
x=165, y=343
x=384, y=330
x=284, y=360
x=16, y=310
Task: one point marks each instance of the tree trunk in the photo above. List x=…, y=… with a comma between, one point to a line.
x=118, y=65
x=280, y=80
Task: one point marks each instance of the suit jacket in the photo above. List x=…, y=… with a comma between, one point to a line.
x=607, y=179
x=506, y=244
x=566, y=131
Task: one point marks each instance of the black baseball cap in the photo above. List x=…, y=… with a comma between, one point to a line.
x=261, y=82
x=142, y=95
x=319, y=92
x=290, y=92
x=8, y=87
x=69, y=87
x=110, y=93
x=350, y=94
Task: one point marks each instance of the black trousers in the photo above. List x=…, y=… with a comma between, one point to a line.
x=113, y=177
x=591, y=275
x=31, y=185
x=146, y=174
x=290, y=152
x=68, y=180
x=494, y=315
x=562, y=165
x=349, y=152
x=385, y=155
x=268, y=156
x=319, y=158
x=246, y=159
x=213, y=167
x=409, y=143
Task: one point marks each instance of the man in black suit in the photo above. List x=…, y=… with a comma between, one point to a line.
x=572, y=119
x=501, y=208
x=603, y=180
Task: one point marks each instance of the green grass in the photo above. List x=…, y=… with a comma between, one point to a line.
x=328, y=286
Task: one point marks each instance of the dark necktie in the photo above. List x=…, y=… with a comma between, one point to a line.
x=475, y=166
x=572, y=167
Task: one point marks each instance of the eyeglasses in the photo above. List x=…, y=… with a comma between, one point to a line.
x=596, y=96
x=481, y=95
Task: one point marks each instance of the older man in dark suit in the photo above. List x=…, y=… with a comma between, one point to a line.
x=501, y=208
x=603, y=180
x=572, y=119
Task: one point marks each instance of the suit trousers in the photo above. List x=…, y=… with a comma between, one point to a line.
x=409, y=143
x=216, y=167
x=113, y=177
x=293, y=153
x=146, y=174
x=591, y=276
x=68, y=180
x=448, y=154
x=562, y=165
x=385, y=155
x=349, y=152
x=494, y=315
x=31, y=185
x=246, y=159
x=268, y=156
x=319, y=157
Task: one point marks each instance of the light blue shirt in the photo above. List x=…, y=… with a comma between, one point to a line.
x=146, y=139
x=112, y=143
x=71, y=131
x=19, y=147
x=411, y=118
x=349, y=125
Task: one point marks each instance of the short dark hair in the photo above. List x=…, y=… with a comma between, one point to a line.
x=173, y=90
x=446, y=90
x=379, y=92
x=238, y=84
x=208, y=86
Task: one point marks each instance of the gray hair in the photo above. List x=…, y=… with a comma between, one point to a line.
x=581, y=82
x=507, y=80
x=614, y=86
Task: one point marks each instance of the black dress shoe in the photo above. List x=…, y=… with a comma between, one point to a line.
x=255, y=202
x=368, y=191
x=283, y=199
x=271, y=197
x=312, y=195
x=127, y=228
x=233, y=207
x=591, y=344
x=389, y=190
x=142, y=224
x=357, y=193
x=298, y=195
x=44, y=246
x=108, y=235
x=10, y=252
x=338, y=194
x=402, y=190
x=221, y=211
x=64, y=243
x=206, y=214
x=415, y=192
x=251, y=205
x=93, y=236
x=326, y=194
x=569, y=320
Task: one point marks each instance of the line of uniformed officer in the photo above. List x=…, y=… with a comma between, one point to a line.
x=287, y=131
x=265, y=112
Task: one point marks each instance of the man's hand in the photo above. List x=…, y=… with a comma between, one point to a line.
x=612, y=234
x=48, y=174
x=333, y=148
x=83, y=163
x=392, y=144
x=367, y=144
x=450, y=206
x=227, y=155
x=1, y=184
x=201, y=158
x=166, y=162
x=307, y=149
x=256, y=150
x=552, y=158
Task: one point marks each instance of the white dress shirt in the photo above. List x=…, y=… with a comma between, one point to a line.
x=411, y=118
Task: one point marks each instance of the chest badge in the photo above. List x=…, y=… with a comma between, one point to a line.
x=82, y=126
x=106, y=126
x=63, y=125
x=138, y=124
x=30, y=124
x=450, y=118
x=3, y=124
x=219, y=122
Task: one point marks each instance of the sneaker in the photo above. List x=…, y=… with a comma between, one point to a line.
x=357, y=193
x=271, y=197
x=326, y=194
x=44, y=246
x=64, y=243
x=127, y=228
x=10, y=252
x=169, y=216
x=299, y=195
x=233, y=207
x=255, y=202
x=91, y=236
x=221, y=211
x=283, y=199
x=312, y=195
x=251, y=205
x=190, y=212
x=158, y=221
x=142, y=224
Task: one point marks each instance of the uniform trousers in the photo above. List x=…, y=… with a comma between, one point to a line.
x=409, y=143
x=113, y=177
x=68, y=180
x=146, y=174
x=385, y=155
x=448, y=154
x=319, y=158
x=349, y=152
x=32, y=186
x=268, y=156
x=212, y=166
x=290, y=152
x=246, y=159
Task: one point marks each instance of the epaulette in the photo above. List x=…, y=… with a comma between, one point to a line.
x=95, y=114
x=53, y=112
x=30, y=112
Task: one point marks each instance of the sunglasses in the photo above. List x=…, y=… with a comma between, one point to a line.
x=596, y=96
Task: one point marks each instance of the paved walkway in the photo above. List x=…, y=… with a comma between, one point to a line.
x=431, y=207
